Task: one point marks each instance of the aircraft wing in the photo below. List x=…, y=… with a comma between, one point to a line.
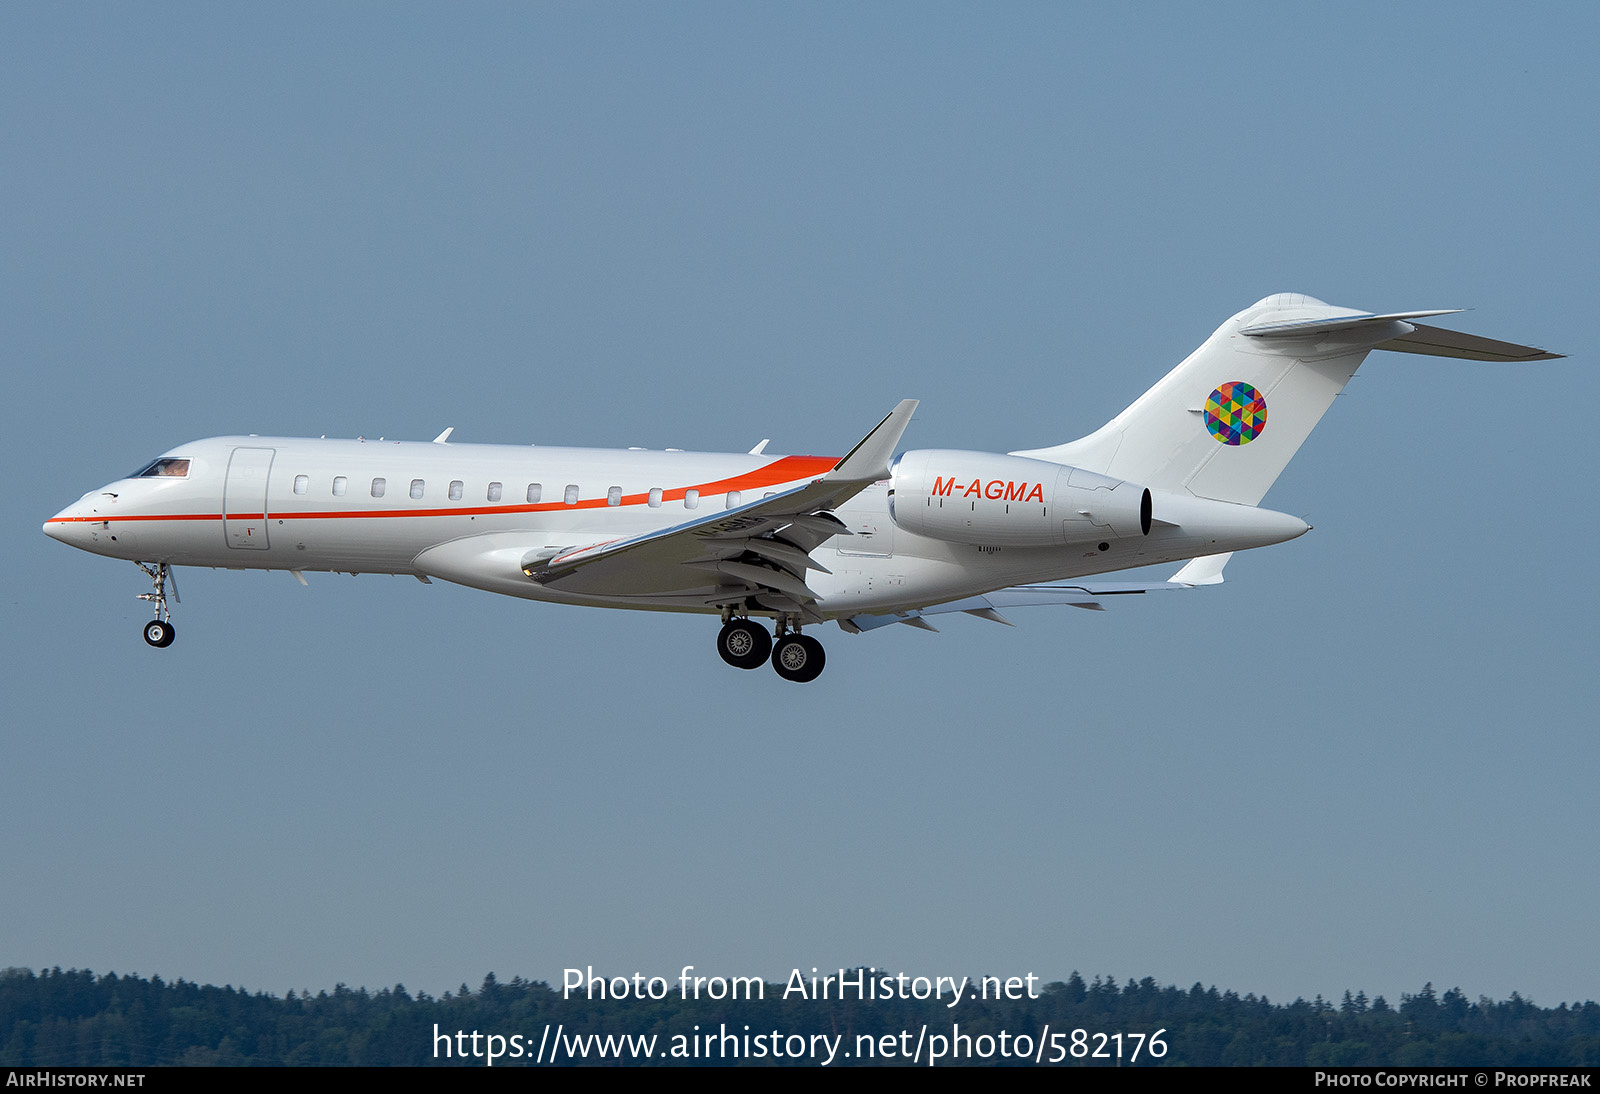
x=760, y=550
x=1206, y=570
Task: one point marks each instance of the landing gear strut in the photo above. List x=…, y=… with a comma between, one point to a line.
x=159, y=632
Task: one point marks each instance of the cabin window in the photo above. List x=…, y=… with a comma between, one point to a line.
x=165, y=469
x=302, y=483
x=614, y=496
x=691, y=499
x=495, y=490
x=378, y=487
x=456, y=488
x=340, y=484
x=655, y=497
x=535, y=492
x=416, y=489
x=571, y=497
x=735, y=499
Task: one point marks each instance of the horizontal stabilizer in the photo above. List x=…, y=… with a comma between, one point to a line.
x=1299, y=328
x=1434, y=341
x=1438, y=342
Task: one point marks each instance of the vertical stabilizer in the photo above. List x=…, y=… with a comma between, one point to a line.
x=1225, y=422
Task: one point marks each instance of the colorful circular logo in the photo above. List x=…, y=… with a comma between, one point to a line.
x=1236, y=413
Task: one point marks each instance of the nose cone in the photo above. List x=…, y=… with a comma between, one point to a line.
x=62, y=525
x=100, y=522
x=83, y=525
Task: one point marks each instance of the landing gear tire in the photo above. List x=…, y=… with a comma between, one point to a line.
x=744, y=644
x=798, y=657
x=159, y=632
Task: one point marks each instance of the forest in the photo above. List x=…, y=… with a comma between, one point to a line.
x=56, y=1018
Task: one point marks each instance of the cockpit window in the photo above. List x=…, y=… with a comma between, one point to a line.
x=165, y=469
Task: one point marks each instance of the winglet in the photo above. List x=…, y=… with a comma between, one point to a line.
x=869, y=460
x=444, y=438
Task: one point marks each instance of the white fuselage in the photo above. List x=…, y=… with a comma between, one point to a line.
x=377, y=506
x=868, y=541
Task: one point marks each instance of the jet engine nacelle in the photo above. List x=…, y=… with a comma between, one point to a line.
x=1011, y=501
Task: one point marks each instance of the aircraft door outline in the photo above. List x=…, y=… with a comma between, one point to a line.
x=244, y=499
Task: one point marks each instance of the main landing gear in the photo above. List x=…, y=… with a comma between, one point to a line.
x=798, y=657
x=159, y=632
x=745, y=644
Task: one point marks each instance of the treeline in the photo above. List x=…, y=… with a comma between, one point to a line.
x=76, y=1018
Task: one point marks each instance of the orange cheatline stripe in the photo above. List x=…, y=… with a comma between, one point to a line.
x=159, y=516
x=787, y=469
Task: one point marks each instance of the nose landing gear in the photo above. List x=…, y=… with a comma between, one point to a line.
x=160, y=632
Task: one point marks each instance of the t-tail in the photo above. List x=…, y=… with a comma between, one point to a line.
x=1226, y=422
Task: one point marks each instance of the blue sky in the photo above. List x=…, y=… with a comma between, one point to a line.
x=1366, y=761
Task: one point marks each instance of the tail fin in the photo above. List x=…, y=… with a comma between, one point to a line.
x=1225, y=423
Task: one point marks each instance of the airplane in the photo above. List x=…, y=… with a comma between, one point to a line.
x=865, y=541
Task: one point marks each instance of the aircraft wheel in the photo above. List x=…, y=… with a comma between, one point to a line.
x=159, y=634
x=798, y=657
x=744, y=644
